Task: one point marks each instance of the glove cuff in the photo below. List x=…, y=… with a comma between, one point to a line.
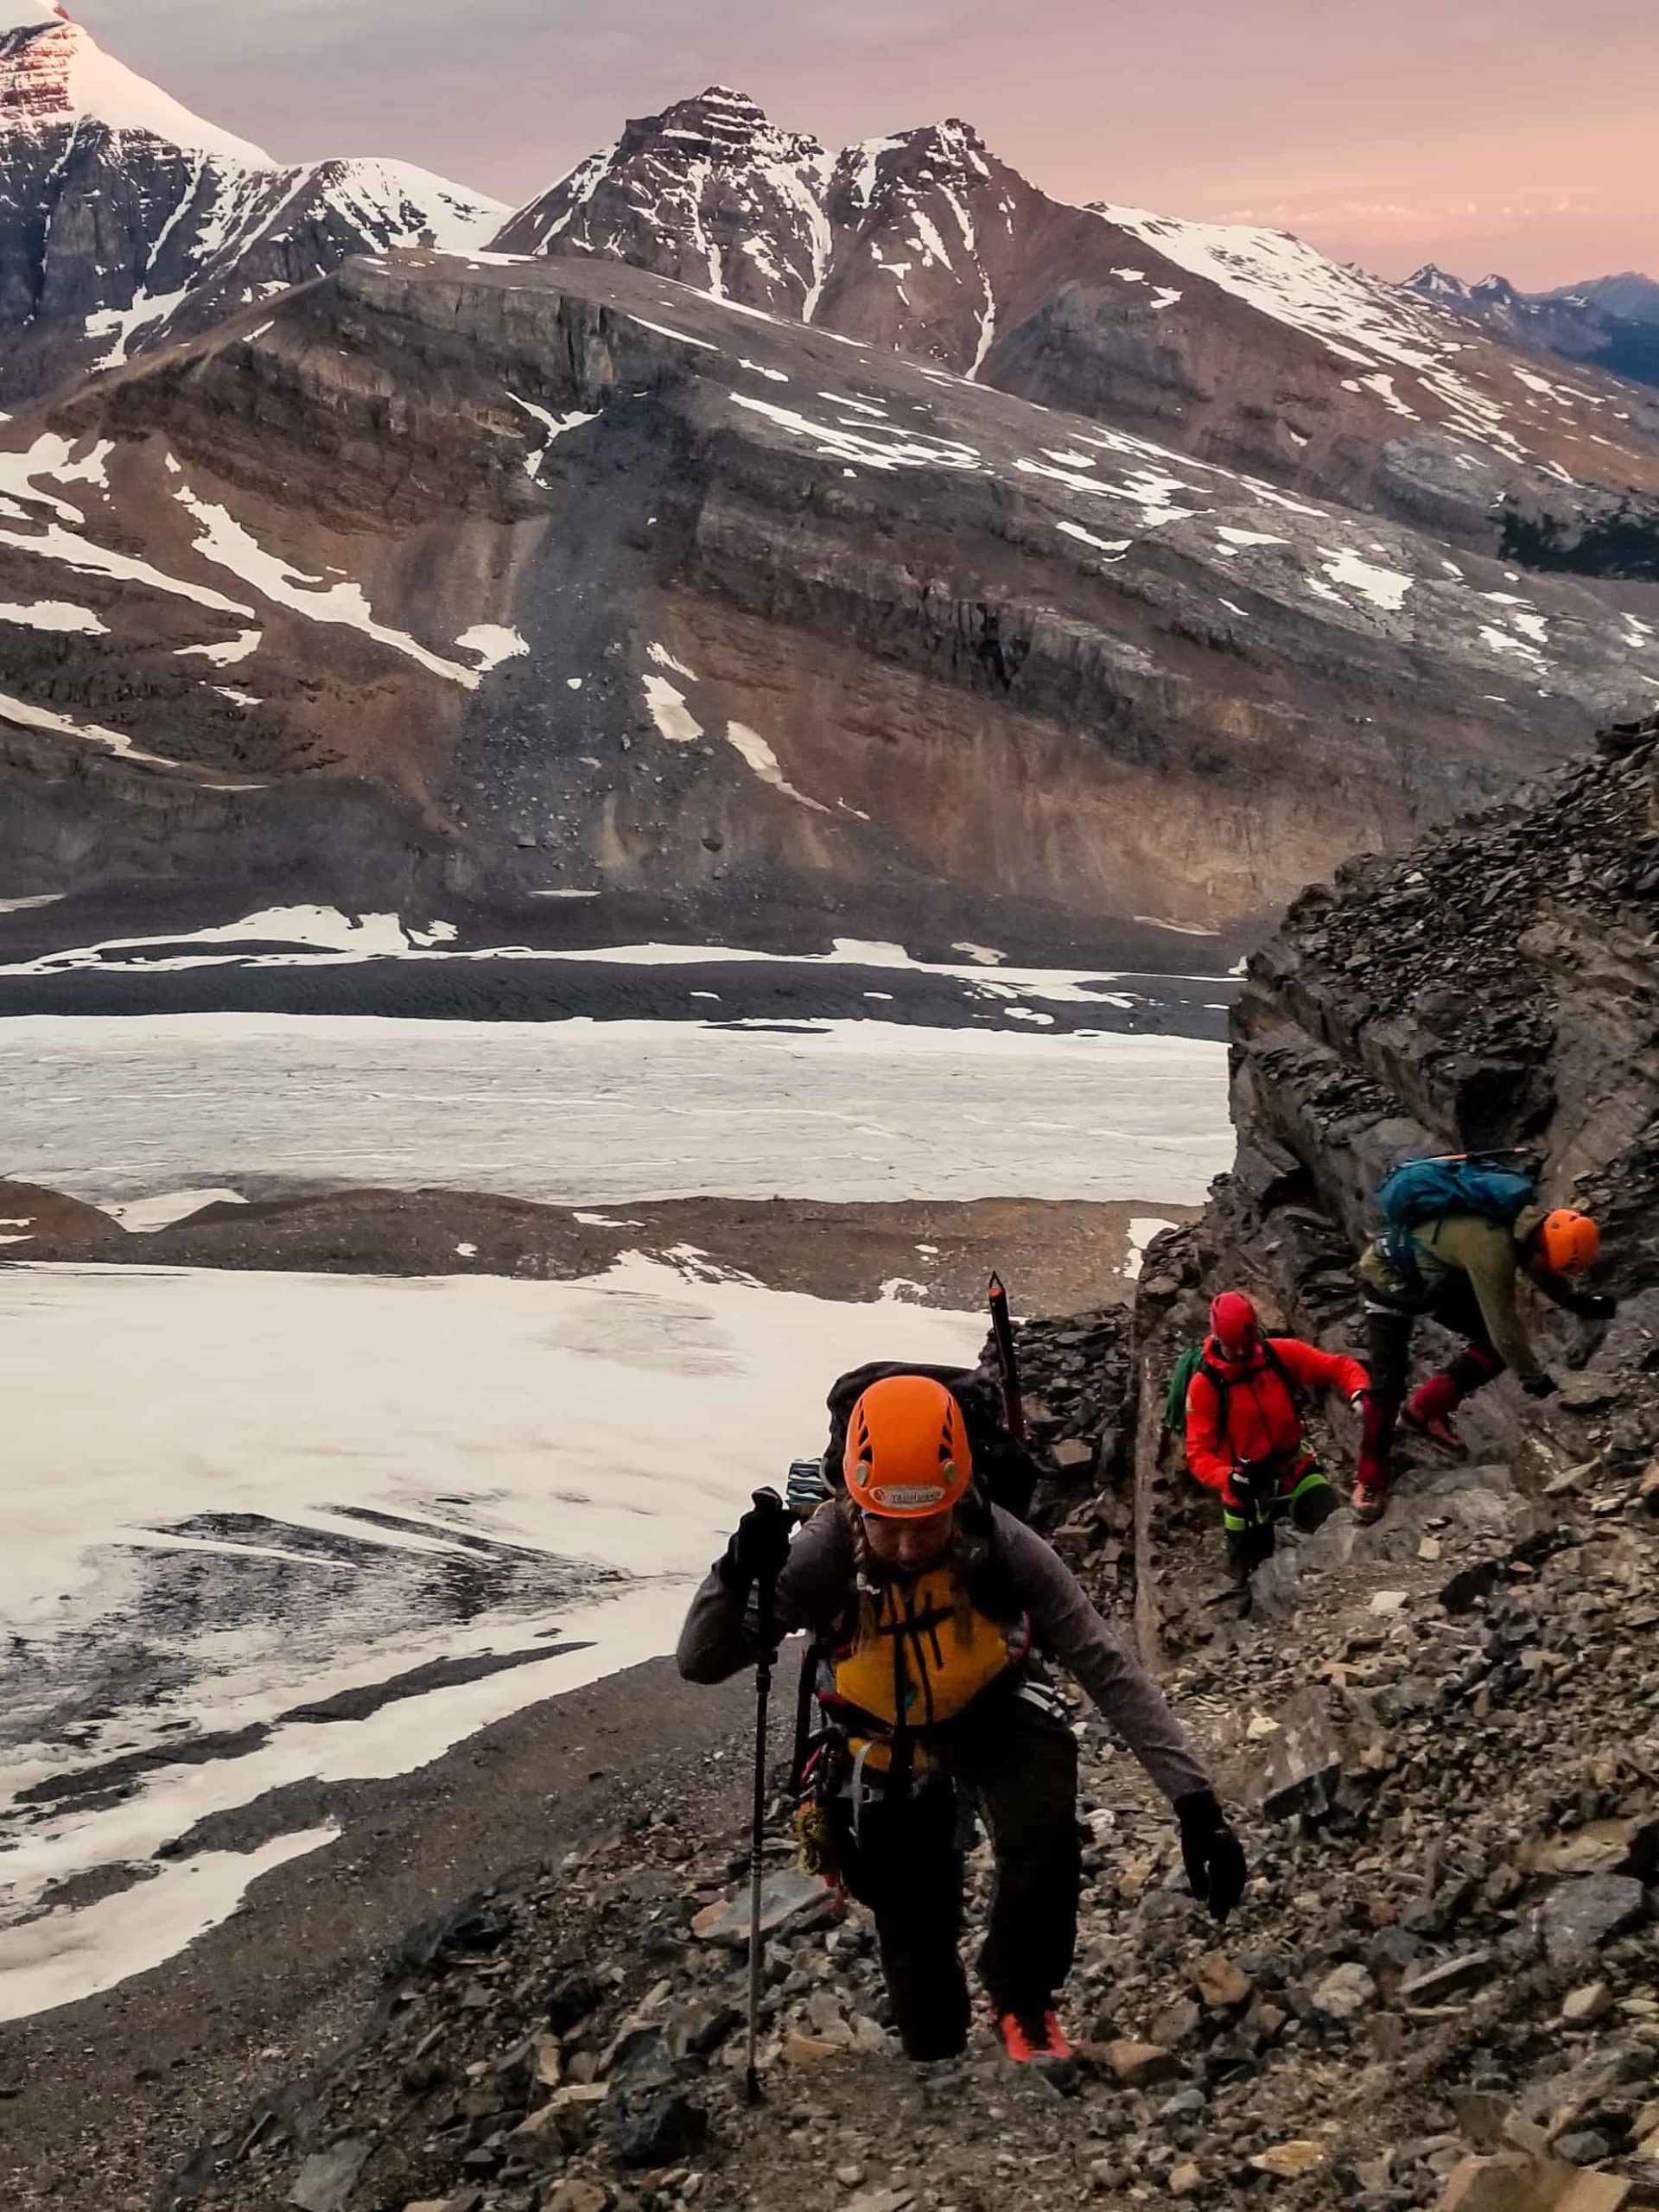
x=1199, y=1814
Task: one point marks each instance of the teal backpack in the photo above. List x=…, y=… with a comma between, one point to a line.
x=1421, y=1190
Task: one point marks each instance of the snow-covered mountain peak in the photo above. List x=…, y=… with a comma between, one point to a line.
x=718, y=126
x=723, y=199
x=144, y=222
x=1431, y=282
x=53, y=72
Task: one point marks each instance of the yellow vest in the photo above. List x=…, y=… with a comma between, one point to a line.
x=920, y=1660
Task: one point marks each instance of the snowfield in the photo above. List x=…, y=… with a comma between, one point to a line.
x=293, y=1526
x=579, y=1113
x=258, y=1493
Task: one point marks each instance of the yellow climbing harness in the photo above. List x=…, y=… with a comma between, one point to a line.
x=919, y=1657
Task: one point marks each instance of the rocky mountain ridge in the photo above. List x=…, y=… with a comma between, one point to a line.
x=127, y=222
x=1612, y=327
x=1244, y=346
x=456, y=581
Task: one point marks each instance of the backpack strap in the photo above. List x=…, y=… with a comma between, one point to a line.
x=1223, y=1389
x=1293, y=1388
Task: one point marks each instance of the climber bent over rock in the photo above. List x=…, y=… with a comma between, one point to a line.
x=1463, y=1270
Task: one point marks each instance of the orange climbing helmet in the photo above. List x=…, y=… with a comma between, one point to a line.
x=908, y=1451
x=1570, y=1243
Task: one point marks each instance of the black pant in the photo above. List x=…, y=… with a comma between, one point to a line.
x=1019, y=1763
x=1388, y=1331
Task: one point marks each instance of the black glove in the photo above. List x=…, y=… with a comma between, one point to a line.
x=1251, y=1480
x=1593, y=1306
x=1541, y=1386
x=1214, y=1855
x=759, y=1547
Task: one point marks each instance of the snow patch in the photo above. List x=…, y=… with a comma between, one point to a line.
x=673, y=718
x=763, y=761
x=492, y=643
x=226, y=543
x=55, y=614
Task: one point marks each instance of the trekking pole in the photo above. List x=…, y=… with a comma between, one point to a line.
x=1014, y=1404
x=763, y=1598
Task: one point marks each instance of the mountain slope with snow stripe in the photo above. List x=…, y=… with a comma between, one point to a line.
x=723, y=621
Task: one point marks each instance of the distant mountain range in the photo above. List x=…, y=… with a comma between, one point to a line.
x=751, y=539
x=1611, y=322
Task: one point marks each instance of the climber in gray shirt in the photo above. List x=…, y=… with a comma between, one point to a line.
x=935, y=1610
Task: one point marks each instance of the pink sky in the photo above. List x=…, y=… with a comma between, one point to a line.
x=1508, y=134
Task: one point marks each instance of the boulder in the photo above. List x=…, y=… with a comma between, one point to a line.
x=1345, y=1994
x=1577, y=1918
x=1140, y=2065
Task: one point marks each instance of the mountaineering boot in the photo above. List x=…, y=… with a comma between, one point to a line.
x=1368, y=1504
x=1373, y=1470
x=1035, y=2038
x=1429, y=1413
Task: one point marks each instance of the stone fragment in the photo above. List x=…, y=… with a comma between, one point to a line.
x=1289, y=2161
x=1140, y=2065
x=1186, y=2179
x=785, y=1897
x=1302, y=1760
x=1519, y=2184
x=1447, y=1977
x=1598, y=1847
x=1580, y=1917
x=1583, y=2146
x=658, y=2129
x=1581, y=2008
x=326, y=2178
x=576, y=2195
x=701, y=2027
x=807, y=2051
x=1345, y=1994
x=1219, y=1982
x=1177, y=2024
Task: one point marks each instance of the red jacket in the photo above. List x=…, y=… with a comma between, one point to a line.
x=1261, y=1416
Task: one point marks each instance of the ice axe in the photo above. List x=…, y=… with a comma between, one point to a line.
x=764, y=1594
x=1013, y=1405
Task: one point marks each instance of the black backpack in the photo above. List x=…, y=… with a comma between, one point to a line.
x=1003, y=1468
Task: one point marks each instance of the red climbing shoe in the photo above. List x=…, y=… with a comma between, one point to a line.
x=1035, y=2038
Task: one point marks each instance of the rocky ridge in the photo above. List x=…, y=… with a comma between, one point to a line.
x=1440, y=1991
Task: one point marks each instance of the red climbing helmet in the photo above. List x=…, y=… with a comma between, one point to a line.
x=1234, y=1326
